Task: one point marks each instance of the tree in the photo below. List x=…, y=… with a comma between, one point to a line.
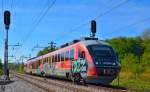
x=1, y=66
x=146, y=34
x=21, y=67
x=46, y=50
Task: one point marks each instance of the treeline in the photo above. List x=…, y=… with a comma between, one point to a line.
x=17, y=66
x=1, y=67
x=134, y=55
x=46, y=50
x=133, y=52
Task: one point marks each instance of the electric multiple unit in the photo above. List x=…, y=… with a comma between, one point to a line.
x=89, y=59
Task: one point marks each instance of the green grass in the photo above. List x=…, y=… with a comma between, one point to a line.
x=129, y=80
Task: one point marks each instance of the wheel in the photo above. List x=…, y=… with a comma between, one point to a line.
x=75, y=78
x=42, y=74
x=31, y=72
x=67, y=75
x=78, y=77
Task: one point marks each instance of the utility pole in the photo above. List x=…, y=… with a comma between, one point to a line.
x=24, y=57
x=52, y=45
x=37, y=46
x=7, y=23
x=28, y=57
x=15, y=45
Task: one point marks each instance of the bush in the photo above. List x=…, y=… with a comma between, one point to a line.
x=1, y=72
x=128, y=62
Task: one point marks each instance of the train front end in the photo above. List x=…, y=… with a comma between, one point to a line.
x=105, y=67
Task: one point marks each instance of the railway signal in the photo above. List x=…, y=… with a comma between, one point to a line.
x=7, y=19
x=7, y=15
x=93, y=27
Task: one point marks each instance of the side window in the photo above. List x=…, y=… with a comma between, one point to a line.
x=49, y=60
x=58, y=57
x=32, y=65
x=82, y=55
x=44, y=60
x=62, y=56
x=53, y=58
x=79, y=53
x=72, y=54
x=39, y=62
x=56, y=60
x=67, y=55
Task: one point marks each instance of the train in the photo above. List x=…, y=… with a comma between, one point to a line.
x=89, y=60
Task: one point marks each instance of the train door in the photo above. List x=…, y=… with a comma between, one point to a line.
x=79, y=66
x=53, y=65
x=25, y=68
x=50, y=64
x=46, y=66
x=67, y=64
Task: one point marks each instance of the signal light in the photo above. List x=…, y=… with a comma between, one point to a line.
x=93, y=26
x=7, y=18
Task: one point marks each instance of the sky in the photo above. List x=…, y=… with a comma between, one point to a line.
x=67, y=20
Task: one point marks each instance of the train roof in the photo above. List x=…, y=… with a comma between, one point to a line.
x=93, y=42
x=86, y=41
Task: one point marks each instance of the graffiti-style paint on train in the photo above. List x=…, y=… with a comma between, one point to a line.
x=88, y=59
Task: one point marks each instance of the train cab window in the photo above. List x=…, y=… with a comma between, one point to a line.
x=103, y=54
x=67, y=55
x=72, y=54
x=62, y=56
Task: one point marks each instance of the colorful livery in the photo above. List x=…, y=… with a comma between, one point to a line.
x=89, y=59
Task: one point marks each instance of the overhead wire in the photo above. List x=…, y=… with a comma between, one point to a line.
x=77, y=27
x=40, y=14
x=35, y=20
x=36, y=24
x=127, y=26
x=12, y=5
x=3, y=31
x=2, y=5
x=96, y=17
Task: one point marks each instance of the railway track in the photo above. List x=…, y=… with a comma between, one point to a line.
x=51, y=85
